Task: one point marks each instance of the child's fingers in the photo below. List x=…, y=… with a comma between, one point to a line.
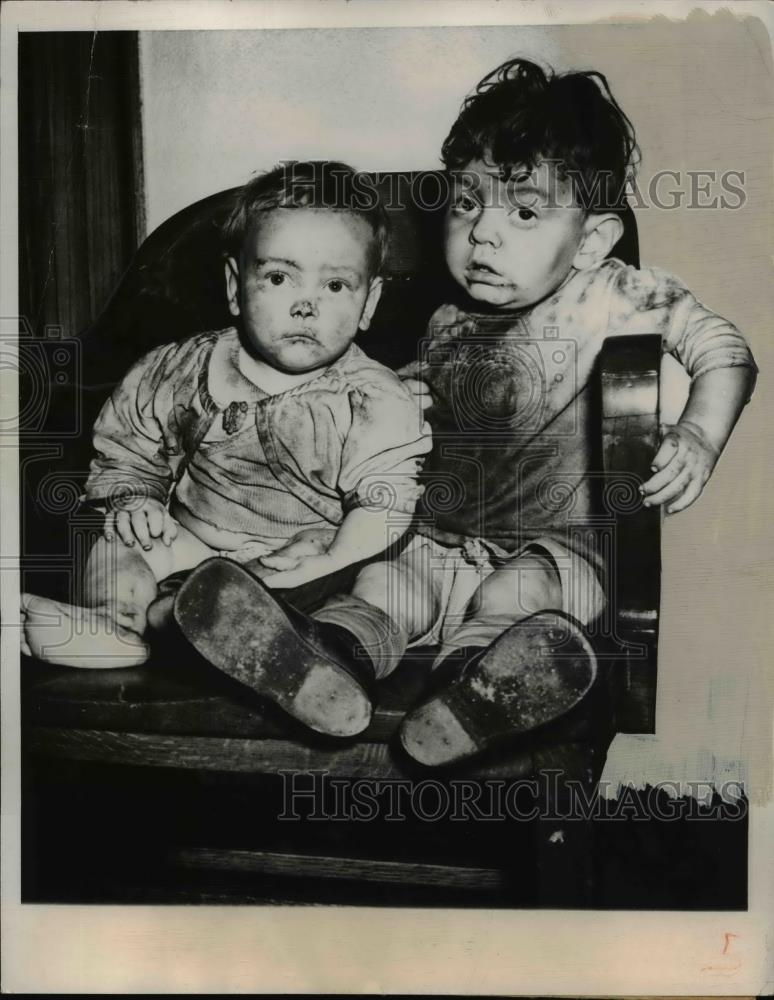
x=661, y=479
x=140, y=528
x=669, y=448
x=672, y=490
x=123, y=525
x=170, y=529
x=109, y=527
x=279, y=562
x=666, y=465
x=296, y=549
x=290, y=554
x=411, y=371
x=419, y=390
x=155, y=518
x=416, y=386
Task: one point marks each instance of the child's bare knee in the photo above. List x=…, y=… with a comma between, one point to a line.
x=530, y=583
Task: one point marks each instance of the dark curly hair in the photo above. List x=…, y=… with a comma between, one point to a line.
x=325, y=184
x=520, y=114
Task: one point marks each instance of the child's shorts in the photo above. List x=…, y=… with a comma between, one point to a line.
x=453, y=574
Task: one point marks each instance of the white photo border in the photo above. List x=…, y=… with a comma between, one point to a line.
x=350, y=950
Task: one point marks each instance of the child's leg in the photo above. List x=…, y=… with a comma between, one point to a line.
x=391, y=603
x=527, y=584
x=118, y=584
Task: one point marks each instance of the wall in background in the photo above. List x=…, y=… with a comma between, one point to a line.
x=218, y=106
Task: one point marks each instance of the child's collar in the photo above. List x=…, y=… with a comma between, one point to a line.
x=226, y=382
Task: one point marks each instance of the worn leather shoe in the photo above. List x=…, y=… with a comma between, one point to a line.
x=529, y=676
x=306, y=667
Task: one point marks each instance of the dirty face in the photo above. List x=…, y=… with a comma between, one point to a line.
x=302, y=286
x=510, y=243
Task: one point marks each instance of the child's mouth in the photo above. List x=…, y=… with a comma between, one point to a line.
x=483, y=274
x=302, y=335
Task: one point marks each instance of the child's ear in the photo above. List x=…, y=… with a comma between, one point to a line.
x=601, y=233
x=371, y=302
x=232, y=285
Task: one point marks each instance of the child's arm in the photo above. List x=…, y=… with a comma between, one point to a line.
x=691, y=447
x=722, y=369
x=363, y=533
x=130, y=474
x=382, y=455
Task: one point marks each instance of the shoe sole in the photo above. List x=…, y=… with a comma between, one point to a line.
x=506, y=691
x=234, y=622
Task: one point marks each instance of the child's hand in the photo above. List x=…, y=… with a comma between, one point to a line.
x=144, y=523
x=308, y=568
x=682, y=466
x=410, y=376
x=420, y=391
x=311, y=542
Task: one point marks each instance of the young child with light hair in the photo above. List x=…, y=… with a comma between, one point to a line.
x=277, y=442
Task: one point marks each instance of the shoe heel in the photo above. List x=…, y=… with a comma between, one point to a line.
x=434, y=734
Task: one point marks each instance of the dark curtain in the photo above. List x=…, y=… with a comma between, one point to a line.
x=80, y=172
x=81, y=217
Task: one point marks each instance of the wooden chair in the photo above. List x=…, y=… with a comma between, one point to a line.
x=177, y=724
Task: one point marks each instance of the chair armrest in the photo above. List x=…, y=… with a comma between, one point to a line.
x=629, y=369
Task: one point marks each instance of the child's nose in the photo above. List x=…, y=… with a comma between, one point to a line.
x=485, y=228
x=304, y=307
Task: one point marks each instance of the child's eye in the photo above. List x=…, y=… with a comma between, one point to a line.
x=336, y=285
x=464, y=204
x=525, y=215
x=276, y=278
